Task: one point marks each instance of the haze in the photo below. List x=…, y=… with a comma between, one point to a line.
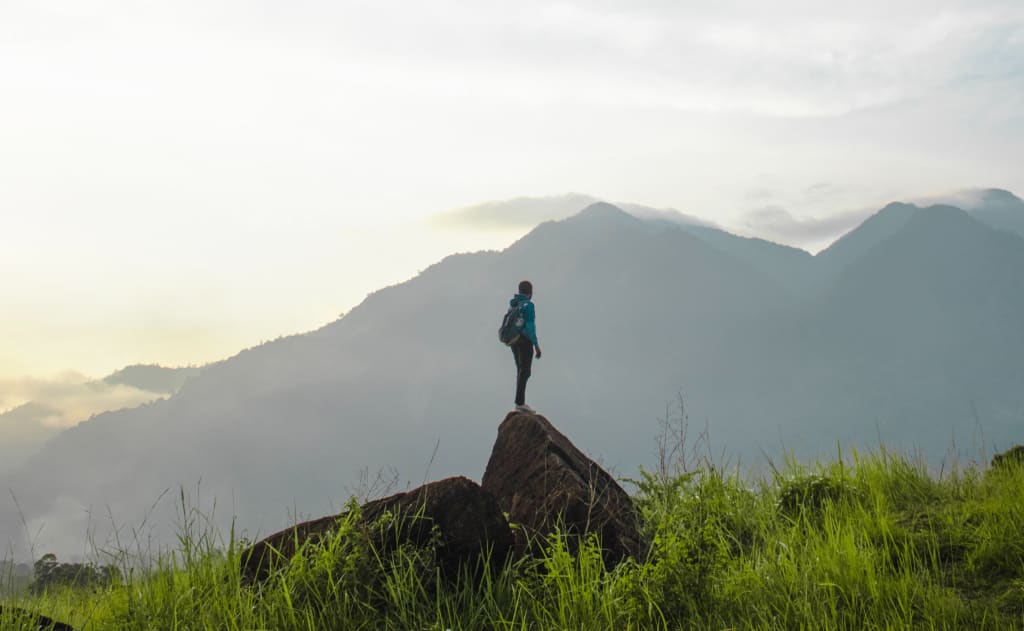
x=181, y=180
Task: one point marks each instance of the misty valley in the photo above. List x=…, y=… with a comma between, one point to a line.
x=888, y=366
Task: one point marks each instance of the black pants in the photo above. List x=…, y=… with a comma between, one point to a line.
x=522, y=350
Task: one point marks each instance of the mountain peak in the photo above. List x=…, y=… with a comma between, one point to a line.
x=597, y=222
x=998, y=208
x=875, y=229
x=943, y=210
x=897, y=207
x=942, y=217
x=999, y=196
x=603, y=216
x=603, y=210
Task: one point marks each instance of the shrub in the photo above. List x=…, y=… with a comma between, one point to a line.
x=808, y=494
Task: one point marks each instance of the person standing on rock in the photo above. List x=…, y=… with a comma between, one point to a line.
x=524, y=348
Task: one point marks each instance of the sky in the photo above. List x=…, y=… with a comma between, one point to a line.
x=181, y=180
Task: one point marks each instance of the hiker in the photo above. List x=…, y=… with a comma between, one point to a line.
x=523, y=349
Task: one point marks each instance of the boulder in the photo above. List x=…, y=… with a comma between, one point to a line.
x=470, y=527
x=544, y=483
x=21, y=618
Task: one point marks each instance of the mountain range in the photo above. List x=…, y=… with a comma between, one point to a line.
x=25, y=428
x=906, y=331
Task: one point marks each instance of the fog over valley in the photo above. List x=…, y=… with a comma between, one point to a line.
x=905, y=331
x=254, y=255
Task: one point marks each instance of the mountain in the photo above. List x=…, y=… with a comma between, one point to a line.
x=529, y=211
x=670, y=215
x=788, y=266
x=855, y=244
x=907, y=329
x=999, y=209
x=152, y=378
x=518, y=211
x=925, y=326
x=25, y=428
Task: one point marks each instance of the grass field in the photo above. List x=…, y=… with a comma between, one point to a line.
x=871, y=542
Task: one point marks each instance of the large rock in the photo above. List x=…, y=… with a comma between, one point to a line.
x=469, y=523
x=543, y=482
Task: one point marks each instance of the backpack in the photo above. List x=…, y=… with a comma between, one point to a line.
x=512, y=324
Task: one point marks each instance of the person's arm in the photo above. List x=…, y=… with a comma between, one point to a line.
x=530, y=327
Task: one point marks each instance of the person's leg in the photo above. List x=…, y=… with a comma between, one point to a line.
x=515, y=356
x=524, y=361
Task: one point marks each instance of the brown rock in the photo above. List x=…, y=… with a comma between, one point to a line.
x=543, y=482
x=468, y=520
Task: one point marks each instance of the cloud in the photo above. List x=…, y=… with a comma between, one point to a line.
x=821, y=190
x=62, y=401
x=292, y=122
x=30, y=415
x=735, y=56
x=38, y=409
x=801, y=215
x=778, y=224
x=526, y=212
x=783, y=62
x=665, y=214
x=969, y=199
x=760, y=194
x=16, y=391
x=520, y=212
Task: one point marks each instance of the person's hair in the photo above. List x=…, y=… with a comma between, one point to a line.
x=526, y=288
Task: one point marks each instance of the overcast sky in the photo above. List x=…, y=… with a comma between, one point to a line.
x=182, y=179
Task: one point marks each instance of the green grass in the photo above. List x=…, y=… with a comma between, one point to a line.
x=871, y=543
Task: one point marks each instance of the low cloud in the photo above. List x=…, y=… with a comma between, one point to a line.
x=821, y=191
x=14, y=392
x=519, y=212
x=526, y=212
x=666, y=214
x=62, y=401
x=971, y=199
x=30, y=415
x=778, y=224
x=34, y=410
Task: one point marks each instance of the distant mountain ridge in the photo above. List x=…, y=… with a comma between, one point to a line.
x=25, y=428
x=995, y=207
x=907, y=330
x=153, y=378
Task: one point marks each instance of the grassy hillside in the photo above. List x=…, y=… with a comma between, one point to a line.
x=870, y=542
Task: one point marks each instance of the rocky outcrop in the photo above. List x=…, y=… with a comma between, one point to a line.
x=1012, y=456
x=469, y=527
x=544, y=483
x=21, y=618
x=535, y=475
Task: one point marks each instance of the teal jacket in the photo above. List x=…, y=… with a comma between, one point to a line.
x=529, y=315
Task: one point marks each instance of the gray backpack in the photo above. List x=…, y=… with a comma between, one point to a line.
x=512, y=324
